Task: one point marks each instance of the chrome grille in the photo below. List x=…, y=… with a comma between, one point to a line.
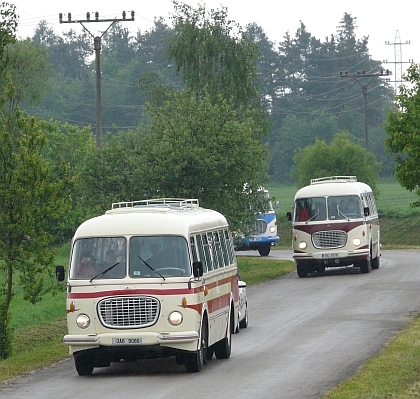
x=128, y=312
x=329, y=239
x=260, y=226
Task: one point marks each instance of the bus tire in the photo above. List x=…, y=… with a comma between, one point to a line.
x=302, y=270
x=196, y=359
x=375, y=262
x=223, y=348
x=83, y=365
x=264, y=250
x=365, y=266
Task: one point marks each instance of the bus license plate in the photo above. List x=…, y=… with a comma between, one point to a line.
x=126, y=341
x=330, y=255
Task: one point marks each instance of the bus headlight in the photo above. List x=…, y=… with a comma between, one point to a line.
x=356, y=242
x=302, y=245
x=83, y=320
x=175, y=318
x=272, y=229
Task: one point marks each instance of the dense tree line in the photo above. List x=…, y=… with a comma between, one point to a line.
x=298, y=80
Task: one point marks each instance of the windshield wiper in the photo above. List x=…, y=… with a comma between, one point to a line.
x=105, y=271
x=313, y=217
x=343, y=215
x=151, y=268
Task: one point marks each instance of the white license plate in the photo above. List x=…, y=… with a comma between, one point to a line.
x=126, y=341
x=330, y=255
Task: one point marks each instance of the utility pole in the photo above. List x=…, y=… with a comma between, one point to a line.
x=398, y=63
x=363, y=74
x=97, y=48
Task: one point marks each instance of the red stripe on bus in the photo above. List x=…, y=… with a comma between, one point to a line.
x=313, y=228
x=99, y=294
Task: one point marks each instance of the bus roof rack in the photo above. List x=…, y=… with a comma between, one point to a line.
x=349, y=179
x=176, y=203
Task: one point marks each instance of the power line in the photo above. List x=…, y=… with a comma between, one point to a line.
x=363, y=74
x=97, y=47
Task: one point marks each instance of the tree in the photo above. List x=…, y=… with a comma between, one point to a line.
x=213, y=54
x=341, y=158
x=403, y=129
x=31, y=196
x=205, y=141
x=204, y=150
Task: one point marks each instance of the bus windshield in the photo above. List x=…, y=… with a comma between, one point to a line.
x=149, y=256
x=331, y=208
x=153, y=256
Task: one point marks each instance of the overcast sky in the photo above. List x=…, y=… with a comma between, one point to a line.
x=381, y=21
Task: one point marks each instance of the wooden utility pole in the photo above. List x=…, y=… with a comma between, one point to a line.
x=97, y=48
x=363, y=74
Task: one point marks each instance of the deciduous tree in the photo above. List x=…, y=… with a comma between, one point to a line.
x=341, y=158
x=31, y=195
x=403, y=129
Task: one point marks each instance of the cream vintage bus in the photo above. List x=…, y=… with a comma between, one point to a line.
x=148, y=279
x=335, y=223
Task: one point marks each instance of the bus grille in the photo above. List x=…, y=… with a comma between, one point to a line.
x=128, y=312
x=260, y=227
x=329, y=239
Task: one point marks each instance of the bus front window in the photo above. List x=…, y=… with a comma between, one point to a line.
x=310, y=209
x=344, y=207
x=153, y=256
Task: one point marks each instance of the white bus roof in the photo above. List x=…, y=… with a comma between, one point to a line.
x=152, y=217
x=333, y=185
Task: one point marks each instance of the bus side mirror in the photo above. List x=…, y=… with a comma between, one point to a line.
x=59, y=273
x=198, y=269
x=289, y=216
x=366, y=211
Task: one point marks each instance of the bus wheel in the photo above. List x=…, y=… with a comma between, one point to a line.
x=223, y=348
x=302, y=270
x=196, y=359
x=375, y=263
x=365, y=266
x=83, y=365
x=264, y=250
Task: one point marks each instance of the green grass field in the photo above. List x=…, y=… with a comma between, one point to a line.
x=393, y=373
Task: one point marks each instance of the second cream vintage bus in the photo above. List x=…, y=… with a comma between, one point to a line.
x=335, y=223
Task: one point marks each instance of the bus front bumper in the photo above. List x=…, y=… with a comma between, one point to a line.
x=131, y=339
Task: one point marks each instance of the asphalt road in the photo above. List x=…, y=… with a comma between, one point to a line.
x=305, y=335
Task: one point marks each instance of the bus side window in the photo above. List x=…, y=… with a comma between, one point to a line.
x=212, y=250
x=201, y=253
x=193, y=249
x=229, y=245
x=218, y=249
x=224, y=248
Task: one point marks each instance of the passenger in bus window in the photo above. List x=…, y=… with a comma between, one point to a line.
x=303, y=214
x=86, y=268
x=351, y=207
x=117, y=270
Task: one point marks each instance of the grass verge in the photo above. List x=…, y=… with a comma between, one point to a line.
x=392, y=373
x=34, y=348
